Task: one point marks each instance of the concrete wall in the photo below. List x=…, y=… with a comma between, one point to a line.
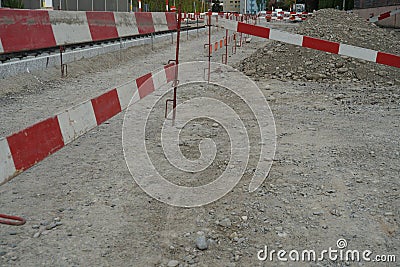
x=393, y=21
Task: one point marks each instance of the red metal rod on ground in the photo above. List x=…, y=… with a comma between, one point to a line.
x=12, y=220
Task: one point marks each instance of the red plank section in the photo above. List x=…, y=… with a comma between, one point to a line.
x=318, y=44
x=33, y=144
x=388, y=59
x=22, y=30
x=384, y=16
x=170, y=72
x=145, y=85
x=144, y=21
x=102, y=25
x=106, y=106
x=253, y=30
x=171, y=21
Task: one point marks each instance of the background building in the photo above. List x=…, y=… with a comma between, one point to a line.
x=375, y=3
x=231, y=5
x=106, y=5
x=83, y=5
x=249, y=7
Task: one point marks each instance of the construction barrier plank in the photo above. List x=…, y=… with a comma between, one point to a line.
x=321, y=45
x=23, y=149
x=145, y=85
x=253, y=30
x=384, y=15
x=126, y=24
x=144, y=22
x=170, y=71
x=171, y=21
x=314, y=43
x=106, y=106
x=33, y=144
x=70, y=27
x=102, y=25
x=388, y=59
x=22, y=30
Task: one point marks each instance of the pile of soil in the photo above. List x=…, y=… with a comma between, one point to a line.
x=289, y=62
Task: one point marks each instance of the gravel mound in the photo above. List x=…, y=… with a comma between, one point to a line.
x=288, y=62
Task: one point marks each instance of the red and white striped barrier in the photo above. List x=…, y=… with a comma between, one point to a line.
x=23, y=149
x=309, y=42
x=384, y=15
x=221, y=43
x=23, y=30
x=287, y=16
x=192, y=16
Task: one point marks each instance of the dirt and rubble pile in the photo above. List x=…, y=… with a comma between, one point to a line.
x=288, y=62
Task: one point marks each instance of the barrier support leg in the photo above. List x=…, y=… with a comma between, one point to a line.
x=208, y=69
x=176, y=81
x=64, y=67
x=225, y=56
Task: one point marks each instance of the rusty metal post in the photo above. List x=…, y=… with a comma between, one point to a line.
x=234, y=45
x=176, y=81
x=64, y=67
x=152, y=41
x=209, y=45
x=226, y=49
x=187, y=28
x=178, y=36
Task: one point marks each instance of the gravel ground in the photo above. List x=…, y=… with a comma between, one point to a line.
x=335, y=174
x=289, y=62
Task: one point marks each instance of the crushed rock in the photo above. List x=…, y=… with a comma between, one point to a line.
x=289, y=62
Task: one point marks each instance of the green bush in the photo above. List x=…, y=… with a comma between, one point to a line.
x=13, y=3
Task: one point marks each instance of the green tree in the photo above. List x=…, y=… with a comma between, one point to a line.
x=216, y=7
x=13, y=3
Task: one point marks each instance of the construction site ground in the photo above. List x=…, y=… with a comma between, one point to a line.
x=335, y=174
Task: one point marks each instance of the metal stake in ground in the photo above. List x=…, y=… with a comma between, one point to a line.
x=176, y=81
x=226, y=49
x=64, y=67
